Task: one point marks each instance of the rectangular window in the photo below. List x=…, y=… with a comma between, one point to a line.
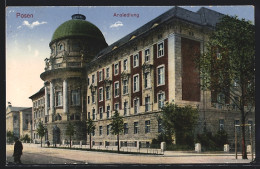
x=147, y=103
x=101, y=112
x=218, y=54
x=107, y=72
x=136, y=106
x=160, y=73
x=48, y=100
x=93, y=78
x=108, y=129
x=136, y=83
x=160, y=100
x=221, y=99
x=93, y=97
x=125, y=64
x=147, y=55
x=107, y=92
x=136, y=60
x=59, y=99
x=117, y=106
x=100, y=130
x=147, y=80
x=116, y=89
x=88, y=82
x=125, y=108
x=100, y=76
x=101, y=94
x=93, y=114
x=88, y=99
x=160, y=50
x=250, y=124
x=147, y=126
x=75, y=97
x=125, y=86
x=108, y=111
x=88, y=115
x=125, y=128
x=135, y=127
x=116, y=69
x=221, y=124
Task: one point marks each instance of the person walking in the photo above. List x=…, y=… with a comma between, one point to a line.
x=18, y=151
x=48, y=143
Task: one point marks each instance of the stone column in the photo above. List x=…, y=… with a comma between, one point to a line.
x=51, y=98
x=46, y=100
x=65, y=96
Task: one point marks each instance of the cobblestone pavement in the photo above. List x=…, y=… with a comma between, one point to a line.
x=34, y=154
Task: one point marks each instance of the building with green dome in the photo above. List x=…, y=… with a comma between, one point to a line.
x=137, y=75
x=73, y=45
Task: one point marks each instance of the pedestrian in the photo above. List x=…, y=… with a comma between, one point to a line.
x=48, y=143
x=18, y=150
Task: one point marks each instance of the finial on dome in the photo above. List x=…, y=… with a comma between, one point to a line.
x=78, y=16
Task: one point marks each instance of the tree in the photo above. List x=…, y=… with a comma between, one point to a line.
x=90, y=128
x=70, y=131
x=10, y=136
x=25, y=138
x=41, y=131
x=179, y=121
x=117, y=126
x=227, y=68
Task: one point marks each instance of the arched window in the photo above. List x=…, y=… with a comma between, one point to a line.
x=61, y=47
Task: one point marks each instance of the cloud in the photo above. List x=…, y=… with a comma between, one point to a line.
x=11, y=11
x=117, y=24
x=19, y=27
x=32, y=25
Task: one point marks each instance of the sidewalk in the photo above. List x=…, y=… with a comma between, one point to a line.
x=148, y=151
x=37, y=154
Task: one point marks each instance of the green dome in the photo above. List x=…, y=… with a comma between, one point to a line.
x=77, y=27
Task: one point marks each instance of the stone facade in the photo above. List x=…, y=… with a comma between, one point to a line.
x=18, y=120
x=136, y=75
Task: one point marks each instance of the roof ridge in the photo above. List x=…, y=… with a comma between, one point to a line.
x=176, y=11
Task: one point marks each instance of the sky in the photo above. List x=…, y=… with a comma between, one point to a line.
x=30, y=29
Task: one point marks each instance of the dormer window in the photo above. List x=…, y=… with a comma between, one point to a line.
x=114, y=47
x=76, y=46
x=132, y=37
x=154, y=25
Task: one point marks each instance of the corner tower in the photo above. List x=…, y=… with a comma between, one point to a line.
x=74, y=44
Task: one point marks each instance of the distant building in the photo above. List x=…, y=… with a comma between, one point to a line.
x=86, y=79
x=18, y=120
x=38, y=109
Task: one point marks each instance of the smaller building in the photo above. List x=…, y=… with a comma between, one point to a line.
x=19, y=120
x=38, y=115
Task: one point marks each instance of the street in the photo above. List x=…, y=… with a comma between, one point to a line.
x=34, y=154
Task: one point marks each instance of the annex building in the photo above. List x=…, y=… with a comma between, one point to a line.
x=19, y=120
x=85, y=78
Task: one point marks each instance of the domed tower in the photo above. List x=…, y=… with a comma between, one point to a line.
x=73, y=44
